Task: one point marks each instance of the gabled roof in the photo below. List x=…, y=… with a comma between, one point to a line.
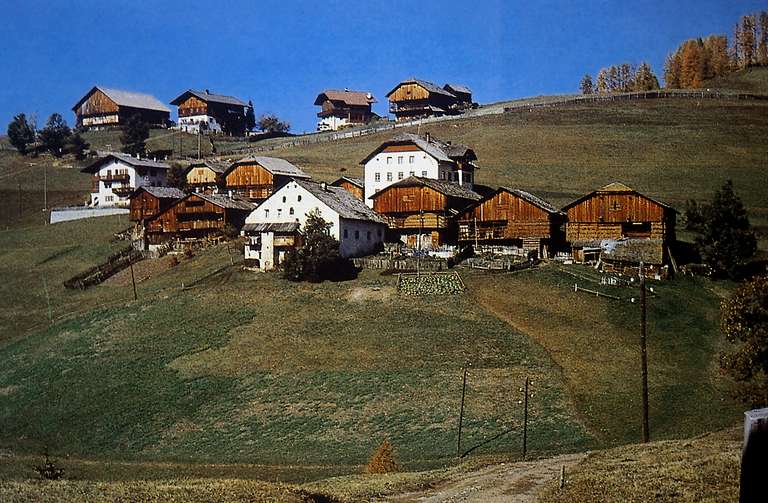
x=341, y=201
x=209, y=97
x=272, y=227
x=160, y=192
x=214, y=166
x=440, y=150
x=429, y=86
x=126, y=158
x=274, y=165
x=126, y=99
x=616, y=188
x=450, y=189
x=224, y=201
x=527, y=196
x=458, y=88
x=353, y=98
x=357, y=182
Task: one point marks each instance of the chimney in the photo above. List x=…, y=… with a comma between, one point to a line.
x=346, y=89
x=427, y=136
x=230, y=193
x=448, y=143
x=207, y=91
x=323, y=186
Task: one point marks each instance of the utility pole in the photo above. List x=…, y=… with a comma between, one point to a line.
x=643, y=355
x=45, y=193
x=199, y=144
x=48, y=300
x=525, y=418
x=20, y=207
x=461, y=412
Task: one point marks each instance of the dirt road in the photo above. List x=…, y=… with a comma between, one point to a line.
x=508, y=482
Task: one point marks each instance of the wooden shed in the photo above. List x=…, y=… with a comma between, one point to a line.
x=205, y=176
x=103, y=107
x=421, y=212
x=256, y=178
x=513, y=217
x=355, y=186
x=197, y=216
x=146, y=202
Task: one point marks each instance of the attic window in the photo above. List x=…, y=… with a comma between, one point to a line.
x=615, y=206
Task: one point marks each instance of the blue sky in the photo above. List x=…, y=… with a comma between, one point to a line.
x=281, y=54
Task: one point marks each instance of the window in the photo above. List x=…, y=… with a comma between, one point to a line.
x=377, y=177
x=298, y=198
x=389, y=160
x=423, y=173
x=279, y=212
x=357, y=234
x=346, y=234
x=400, y=159
x=399, y=175
x=266, y=213
x=290, y=211
x=283, y=198
x=411, y=159
x=389, y=177
x=369, y=235
x=411, y=173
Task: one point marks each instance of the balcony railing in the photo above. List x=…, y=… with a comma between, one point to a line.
x=114, y=177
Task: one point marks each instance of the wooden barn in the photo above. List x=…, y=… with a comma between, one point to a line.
x=617, y=212
x=256, y=178
x=203, y=111
x=463, y=95
x=345, y=108
x=205, y=176
x=421, y=212
x=414, y=98
x=197, y=216
x=513, y=217
x=355, y=186
x=103, y=107
x=146, y=202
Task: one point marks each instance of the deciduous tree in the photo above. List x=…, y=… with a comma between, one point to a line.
x=270, y=123
x=586, y=84
x=744, y=322
x=318, y=258
x=21, y=133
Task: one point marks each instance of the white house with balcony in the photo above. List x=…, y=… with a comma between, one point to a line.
x=421, y=156
x=117, y=175
x=275, y=226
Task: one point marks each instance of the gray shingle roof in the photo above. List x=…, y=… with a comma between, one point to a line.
x=450, y=189
x=129, y=99
x=225, y=201
x=617, y=187
x=459, y=88
x=126, y=158
x=342, y=202
x=163, y=192
x=216, y=166
x=211, y=98
x=534, y=200
x=435, y=147
x=272, y=227
x=358, y=182
x=274, y=165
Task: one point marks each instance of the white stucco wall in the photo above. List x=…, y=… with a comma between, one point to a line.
x=191, y=123
x=331, y=123
x=153, y=177
x=397, y=166
x=277, y=209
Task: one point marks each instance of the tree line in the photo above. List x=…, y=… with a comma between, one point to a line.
x=623, y=78
x=56, y=137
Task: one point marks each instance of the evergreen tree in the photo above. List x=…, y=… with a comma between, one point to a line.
x=76, y=146
x=692, y=69
x=55, y=135
x=613, y=79
x=318, y=258
x=672, y=71
x=601, y=86
x=135, y=134
x=586, y=85
x=645, y=80
x=744, y=322
x=21, y=133
x=762, y=44
x=745, y=39
x=626, y=78
x=250, y=117
x=726, y=239
x=716, y=53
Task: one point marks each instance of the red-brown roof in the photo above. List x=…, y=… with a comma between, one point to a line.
x=353, y=98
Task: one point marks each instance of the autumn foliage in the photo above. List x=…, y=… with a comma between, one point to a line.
x=383, y=460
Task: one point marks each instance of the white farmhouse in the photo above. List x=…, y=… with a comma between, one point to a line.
x=273, y=227
x=422, y=156
x=117, y=175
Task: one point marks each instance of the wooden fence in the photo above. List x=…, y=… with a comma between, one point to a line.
x=401, y=264
x=114, y=264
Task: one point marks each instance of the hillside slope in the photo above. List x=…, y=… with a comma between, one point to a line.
x=749, y=80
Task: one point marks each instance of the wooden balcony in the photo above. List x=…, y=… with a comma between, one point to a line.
x=426, y=221
x=194, y=225
x=123, y=191
x=114, y=177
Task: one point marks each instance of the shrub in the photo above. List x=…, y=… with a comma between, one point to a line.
x=48, y=470
x=382, y=460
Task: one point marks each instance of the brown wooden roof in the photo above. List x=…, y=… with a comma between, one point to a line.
x=352, y=98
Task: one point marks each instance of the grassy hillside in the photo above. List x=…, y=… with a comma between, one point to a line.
x=749, y=80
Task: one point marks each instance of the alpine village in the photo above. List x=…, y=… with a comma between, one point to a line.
x=427, y=298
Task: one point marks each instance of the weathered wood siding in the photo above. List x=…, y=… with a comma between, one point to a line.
x=201, y=176
x=352, y=188
x=251, y=181
x=407, y=92
x=190, y=214
x=409, y=200
x=586, y=231
x=97, y=103
x=193, y=106
x=506, y=216
x=143, y=206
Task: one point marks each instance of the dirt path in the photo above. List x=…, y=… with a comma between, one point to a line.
x=508, y=482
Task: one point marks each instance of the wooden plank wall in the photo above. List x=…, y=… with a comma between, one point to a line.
x=409, y=200
x=249, y=175
x=353, y=189
x=407, y=92
x=193, y=106
x=181, y=216
x=97, y=103
x=144, y=206
x=201, y=175
x=620, y=207
x=585, y=231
